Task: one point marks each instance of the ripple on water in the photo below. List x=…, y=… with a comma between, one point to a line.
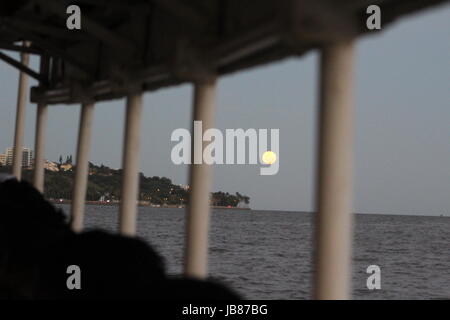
x=267, y=255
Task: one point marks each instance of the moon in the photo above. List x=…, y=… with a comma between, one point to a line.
x=269, y=157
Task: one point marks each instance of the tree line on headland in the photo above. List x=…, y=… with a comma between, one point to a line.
x=104, y=184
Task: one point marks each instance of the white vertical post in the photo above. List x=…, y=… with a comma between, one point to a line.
x=131, y=152
x=82, y=166
x=20, y=117
x=334, y=180
x=39, y=147
x=39, y=142
x=196, y=260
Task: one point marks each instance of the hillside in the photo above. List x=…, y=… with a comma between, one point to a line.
x=105, y=184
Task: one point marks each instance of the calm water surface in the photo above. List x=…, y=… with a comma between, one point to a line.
x=268, y=255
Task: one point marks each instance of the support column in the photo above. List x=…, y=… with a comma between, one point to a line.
x=334, y=176
x=39, y=147
x=131, y=152
x=196, y=259
x=39, y=142
x=82, y=167
x=20, y=117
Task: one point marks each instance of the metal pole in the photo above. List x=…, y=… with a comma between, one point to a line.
x=82, y=166
x=39, y=147
x=39, y=144
x=334, y=187
x=20, y=117
x=196, y=261
x=130, y=182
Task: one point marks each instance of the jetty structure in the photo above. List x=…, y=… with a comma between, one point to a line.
x=127, y=47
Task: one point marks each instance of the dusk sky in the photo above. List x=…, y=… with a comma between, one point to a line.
x=402, y=123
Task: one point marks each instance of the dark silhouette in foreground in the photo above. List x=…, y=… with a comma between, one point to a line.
x=37, y=246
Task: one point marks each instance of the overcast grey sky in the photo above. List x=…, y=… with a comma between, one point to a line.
x=402, y=123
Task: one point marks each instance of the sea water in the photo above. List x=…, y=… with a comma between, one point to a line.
x=268, y=254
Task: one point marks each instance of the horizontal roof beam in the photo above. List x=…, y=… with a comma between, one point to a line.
x=91, y=27
x=180, y=10
x=14, y=47
x=54, y=50
x=45, y=29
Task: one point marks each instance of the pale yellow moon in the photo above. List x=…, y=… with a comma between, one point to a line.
x=269, y=157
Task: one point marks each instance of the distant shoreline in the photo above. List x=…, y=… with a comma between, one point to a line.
x=141, y=204
x=236, y=208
